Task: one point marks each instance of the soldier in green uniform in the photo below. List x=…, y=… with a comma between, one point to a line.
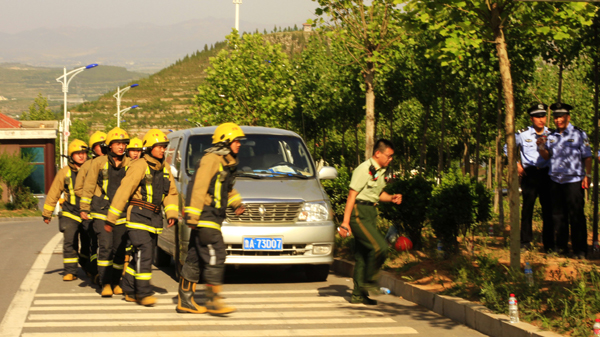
x=360, y=216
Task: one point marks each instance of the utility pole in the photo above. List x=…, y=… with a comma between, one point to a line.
x=237, y=4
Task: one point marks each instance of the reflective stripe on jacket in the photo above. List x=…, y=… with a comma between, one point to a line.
x=101, y=184
x=63, y=182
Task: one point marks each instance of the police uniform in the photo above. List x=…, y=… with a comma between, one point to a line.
x=536, y=181
x=370, y=246
x=148, y=184
x=568, y=151
x=69, y=219
x=101, y=184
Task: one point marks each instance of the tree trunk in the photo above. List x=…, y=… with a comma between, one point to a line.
x=466, y=161
x=478, y=135
x=344, y=144
x=498, y=204
x=509, y=125
x=595, y=191
x=357, y=147
x=423, y=150
x=442, y=132
x=560, y=82
x=489, y=172
x=324, y=145
x=369, y=76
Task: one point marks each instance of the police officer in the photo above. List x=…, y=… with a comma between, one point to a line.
x=535, y=181
x=89, y=242
x=101, y=183
x=148, y=184
x=134, y=149
x=209, y=194
x=360, y=217
x=69, y=220
x=568, y=149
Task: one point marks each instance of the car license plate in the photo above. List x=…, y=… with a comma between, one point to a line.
x=263, y=243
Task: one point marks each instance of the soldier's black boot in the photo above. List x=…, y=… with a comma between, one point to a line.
x=185, y=298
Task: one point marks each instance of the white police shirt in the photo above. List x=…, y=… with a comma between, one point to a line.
x=567, y=153
x=526, y=142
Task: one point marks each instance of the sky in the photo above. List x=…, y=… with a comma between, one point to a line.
x=24, y=15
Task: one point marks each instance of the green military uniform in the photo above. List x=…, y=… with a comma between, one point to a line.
x=370, y=246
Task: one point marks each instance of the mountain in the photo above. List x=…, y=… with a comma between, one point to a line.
x=139, y=47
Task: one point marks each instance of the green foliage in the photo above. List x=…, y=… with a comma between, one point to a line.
x=80, y=130
x=411, y=214
x=23, y=199
x=337, y=190
x=13, y=171
x=38, y=110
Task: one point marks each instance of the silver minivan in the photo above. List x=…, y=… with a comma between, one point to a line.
x=288, y=218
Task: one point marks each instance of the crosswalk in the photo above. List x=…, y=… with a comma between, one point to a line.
x=303, y=312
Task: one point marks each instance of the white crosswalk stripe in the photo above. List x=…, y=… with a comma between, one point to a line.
x=310, y=312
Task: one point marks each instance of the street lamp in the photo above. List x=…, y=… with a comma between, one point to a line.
x=122, y=112
x=118, y=96
x=237, y=4
x=65, y=80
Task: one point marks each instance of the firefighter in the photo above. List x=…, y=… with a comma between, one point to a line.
x=209, y=193
x=69, y=220
x=134, y=149
x=148, y=184
x=89, y=242
x=101, y=183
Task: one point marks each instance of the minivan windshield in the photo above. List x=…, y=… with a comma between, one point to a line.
x=260, y=156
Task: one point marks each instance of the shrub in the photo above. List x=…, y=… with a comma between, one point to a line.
x=337, y=190
x=23, y=199
x=13, y=172
x=411, y=214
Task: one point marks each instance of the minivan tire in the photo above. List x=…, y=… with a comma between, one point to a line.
x=316, y=272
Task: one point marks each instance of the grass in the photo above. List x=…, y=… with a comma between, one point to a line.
x=18, y=213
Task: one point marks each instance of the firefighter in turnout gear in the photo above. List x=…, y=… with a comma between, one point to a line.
x=134, y=149
x=209, y=194
x=148, y=184
x=89, y=242
x=69, y=220
x=101, y=184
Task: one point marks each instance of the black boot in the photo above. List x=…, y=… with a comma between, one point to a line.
x=185, y=298
x=214, y=302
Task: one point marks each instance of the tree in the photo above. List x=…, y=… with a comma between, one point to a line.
x=38, y=110
x=366, y=32
x=249, y=82
x=13, y=171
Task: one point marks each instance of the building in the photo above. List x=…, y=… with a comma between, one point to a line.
x=36, y=139
x=307, y=27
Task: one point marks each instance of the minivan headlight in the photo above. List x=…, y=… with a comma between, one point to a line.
x=314, y=211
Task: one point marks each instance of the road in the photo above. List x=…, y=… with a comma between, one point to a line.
x=271, y=301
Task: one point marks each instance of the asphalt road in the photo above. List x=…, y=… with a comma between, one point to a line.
x=271, y=301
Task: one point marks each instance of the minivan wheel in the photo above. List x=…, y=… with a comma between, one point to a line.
x=316, y=272
x=161, y=258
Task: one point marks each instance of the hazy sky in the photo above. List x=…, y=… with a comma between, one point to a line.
x=23, y=15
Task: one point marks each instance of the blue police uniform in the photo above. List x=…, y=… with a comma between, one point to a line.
x=534, y=183
x=568, y=151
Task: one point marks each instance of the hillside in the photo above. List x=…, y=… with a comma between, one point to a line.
x=21, y=83
x=165, y=98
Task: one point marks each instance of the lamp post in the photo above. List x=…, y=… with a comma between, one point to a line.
x=237, y=4
x=118, y=96
x=122, y=112
x=65, y=80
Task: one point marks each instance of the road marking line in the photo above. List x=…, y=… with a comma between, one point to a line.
x=15, y=316
x=236, y=333
x=99, y=300
x=226, y=293
x=174, y=316
x=214, y=322
x=131, y=306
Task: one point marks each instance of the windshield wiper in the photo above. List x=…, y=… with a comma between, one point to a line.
x=250, y=175
x=288, y=174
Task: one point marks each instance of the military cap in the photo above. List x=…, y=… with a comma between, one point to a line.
x=559, y=109
x=537, y=110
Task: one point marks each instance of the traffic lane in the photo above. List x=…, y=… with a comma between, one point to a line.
x=20, y=244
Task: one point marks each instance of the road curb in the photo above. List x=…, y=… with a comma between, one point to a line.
x=471, y=314
x=25, y=218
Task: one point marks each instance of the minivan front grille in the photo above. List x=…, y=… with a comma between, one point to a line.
x=288, y=250
x=266, y=213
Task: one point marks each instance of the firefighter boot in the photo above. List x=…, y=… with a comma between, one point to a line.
x=107, y=291
x=147, y=301
x=130, y=298
x=185, y=298
x=117, y=290
x=214, y=302
x=69, y=277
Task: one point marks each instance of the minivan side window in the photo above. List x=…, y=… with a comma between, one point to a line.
x=195, y=150
x=171, y=156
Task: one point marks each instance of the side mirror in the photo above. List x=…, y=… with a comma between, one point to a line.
x=175, y=172
x=327, y=172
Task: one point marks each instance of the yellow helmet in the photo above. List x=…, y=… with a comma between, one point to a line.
x=135, y=144
x=117, y=135
x=97, y=137
x=227, y=133
x=77, y=146
x=153, y=137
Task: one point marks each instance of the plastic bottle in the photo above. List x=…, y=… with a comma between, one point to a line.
x=513, y=309
x=440, y=249
x=491, y=230
x=597, y=327
x=384, y=291
x=528, y=274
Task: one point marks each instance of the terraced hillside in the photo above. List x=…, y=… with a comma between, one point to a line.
x=166, y=98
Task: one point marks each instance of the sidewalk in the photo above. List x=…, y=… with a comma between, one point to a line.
x=471, y=314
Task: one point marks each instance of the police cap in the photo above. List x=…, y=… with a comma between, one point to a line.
x=559, y=109
x=538, y=110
